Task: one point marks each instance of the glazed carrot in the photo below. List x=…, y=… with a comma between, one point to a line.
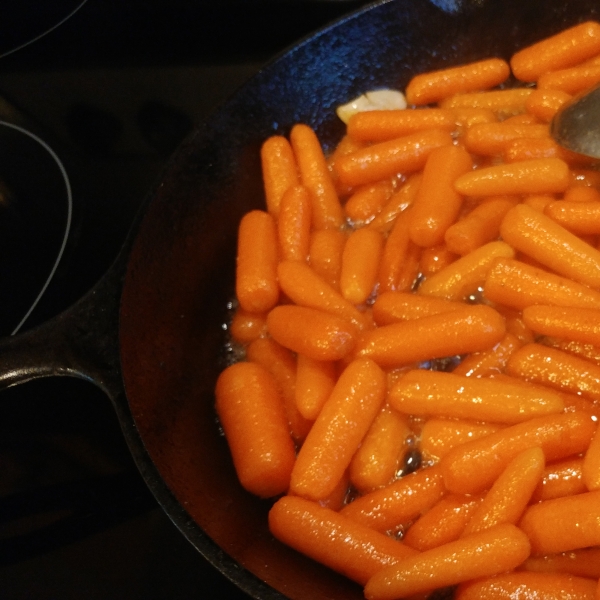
x=560, y=478
x=256, y=285
x=446, y=395
x=391, y=507
x=458, y=332
x=345, y=146
x=433, y=86
x=439, y=436
x=367, y=201
x=579, y=217
x=314, y=174
x=378, y=458
x=252, y=415
x=325, y=254
x=482, y=554
x=435, y=259
x=437, y=204
x=304, y=287
x=580, y=193
x=386, y=159
x=564, y=49
x=442, y=523
x=580, y=563
x=555, y=369
x=572, y=81
x=293, y=223
x=591, y=464
x=586, y=351
x=381, y=125
x=491, y=139
x=467, y=117
x=315, y=380
x=516, y=284
x=246, y=327
x=510, y=494
x=563, y=524
x=329, y=538
x=338, y=430
x=504, y=102
x=466, y=274
x=391, y=307
x=360, y=263
x=483, y=364
x=279, y=170
x=394, y=255
x=536, y=176
x=528, y=586
x=399, y=201
x=281, y=363
x=578, y=324
x=317, y=334
x=478, y=227
x=535, y=148
x=473, y=466
x=544, y=104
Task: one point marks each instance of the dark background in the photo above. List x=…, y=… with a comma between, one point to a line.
x=113, y=90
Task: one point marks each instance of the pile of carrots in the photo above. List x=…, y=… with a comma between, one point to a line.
x=430, y=289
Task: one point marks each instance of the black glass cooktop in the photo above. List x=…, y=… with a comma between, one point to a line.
x=107, y=95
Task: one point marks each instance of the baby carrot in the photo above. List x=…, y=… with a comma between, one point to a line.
x=564, y=49
x=580, y=218
x=378, y=458
x=256, y=285
x=360, y=263
x=491, y=139
x=329, y=538
x=394, y=256
x=510, y=494
x=386, y=159
x=528, y=586
x=467, y=117
x=367, y=201
x=572, y=81
x=544, y=104
x=389, y=508
x=294, y=222
x=381, y=125
x=482, y=554
x=578, y=324
x=591, y=464
x=580, y=563
x=391, y=307
x=517, y=284
x=442, y=523
x=488, y=362
x=325, y=254
x=466, y=274
x=314, y=382
x=317, y=334
x=439, y=394
x=533, y=148
x=399, y=201
x=536, y=176
x=279, y=170
x=587, y=351
x=560, y=478
x=478, y=227
x=433, y=86
x=338, y=430
x=435, y=259
x=314, y=174
x=556, y=369
x=505, y=102
x=473, y=466
x=246, y=327
x=253, y=418
x=437, y=204
x=470, y=330
x=563, y=524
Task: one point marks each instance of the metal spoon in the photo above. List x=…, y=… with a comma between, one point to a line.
x=577, y=125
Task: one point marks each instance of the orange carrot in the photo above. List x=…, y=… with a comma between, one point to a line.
x=391, y=307
x=315, y=380
x=509, y=495
x=561, y=478
x=491, y=139
x=473, y=466
x=246, y=327
x=537, y=176
x=433, y=86
x=325, y=254
x=572, y=81
x=437, y=204
x=580, y=218
x=473, y=329
x=535, y=148
x=314, y=174
x=360, y=263
x=256, y=273
x=391, y=507
x=399, y=201
x=293, y=223
x=587, y=351
x=435, y=259
x=563, y=524
x=395, y=254
x=578, y=324
x=439, y=394
x=482, y=554
x=329, y=538
x=483, y=364
x=338, y=430
x=317, y=334
x=580, y=563
x=504, y=102
x=591, y=464
x=528, y=586
x=564, y=49
x=252, y=415
x=367, y=201
x=467, y=117
x=544, y=104
x=279, y=170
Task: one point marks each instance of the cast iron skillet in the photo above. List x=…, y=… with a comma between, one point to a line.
x=150, y=333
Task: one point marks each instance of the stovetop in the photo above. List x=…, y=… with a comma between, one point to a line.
x=112, y=91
